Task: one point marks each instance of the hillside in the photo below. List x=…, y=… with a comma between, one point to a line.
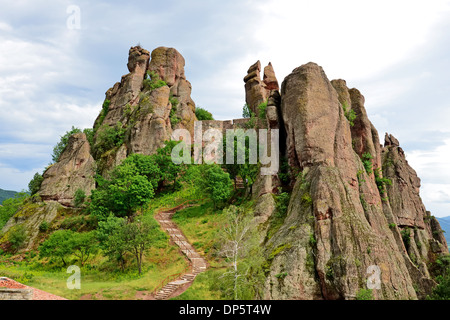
x=6, y=194
x=328, y=214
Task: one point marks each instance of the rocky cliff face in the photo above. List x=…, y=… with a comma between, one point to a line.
x=342, y=221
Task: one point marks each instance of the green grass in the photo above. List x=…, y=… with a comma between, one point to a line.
x=200, y=225
x=203, y=287
x=102, y=282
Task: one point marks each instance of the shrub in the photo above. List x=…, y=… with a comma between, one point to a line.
x=174, y=119
x=44, y=226
x=103, y=113
x=10, y=207
x=381, y=181
x=35, y=184
x=282, y=203
x=203, y=114
x=17, y=236
x=152, y=81
x=364, y=294
x=367, y=162
x=262, y=110
x=79, y=198
x=349, y=114
x=109, y=137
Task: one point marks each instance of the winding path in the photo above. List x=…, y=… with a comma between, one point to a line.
x=197, y=263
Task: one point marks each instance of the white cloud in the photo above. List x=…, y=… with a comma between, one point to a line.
x=351, y=39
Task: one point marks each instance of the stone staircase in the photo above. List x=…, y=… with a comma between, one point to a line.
x=197, y=263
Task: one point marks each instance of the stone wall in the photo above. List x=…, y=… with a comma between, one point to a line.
x=16, y=294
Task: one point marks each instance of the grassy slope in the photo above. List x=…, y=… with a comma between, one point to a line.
x=200, y=225
x=100, y=278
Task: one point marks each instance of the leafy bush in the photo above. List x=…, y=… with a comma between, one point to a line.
x=17, y=236
x=282, y=203
x=350, y=114
x=203, y=114
x=152, y=81
x=381, y=181
x=103, y=113
x=364, y=294
x=262, y=110
x=89, y=136
x=367, y=162
x=122, y=194
x=217, y=184
x=44, y=226
x=35, y=184
x=79, y=198
x=440, y=270
x=109, y=137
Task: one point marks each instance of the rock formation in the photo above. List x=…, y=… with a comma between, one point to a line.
x=74, y=170
x=338, y=222
x=146, y=115
x=257, y=91
x=354, y=213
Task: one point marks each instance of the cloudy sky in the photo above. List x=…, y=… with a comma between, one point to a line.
x=54, y=75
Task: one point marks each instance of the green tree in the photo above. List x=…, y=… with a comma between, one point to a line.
x=62, y=144
x=246, y=112
x=217, y=184
x=83, y=245
x=203, y=114
x=126, y=191
x=169, y=170
x=110, y=234
x=247, y=171
x=58, y=245
x=138, y=236
x=35, y=184
x=63, y=243
x=145, y=166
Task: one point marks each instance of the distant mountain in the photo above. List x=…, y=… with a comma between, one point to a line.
x=6, y=194
x=445, y=225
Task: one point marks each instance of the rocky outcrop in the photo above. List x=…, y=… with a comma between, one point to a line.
x=74, y=170
x=257, y=91
x=420, y=235
x=403, y=193
x=168, y=63
x=30, y=216
x=336, y=228
x=145, y=114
